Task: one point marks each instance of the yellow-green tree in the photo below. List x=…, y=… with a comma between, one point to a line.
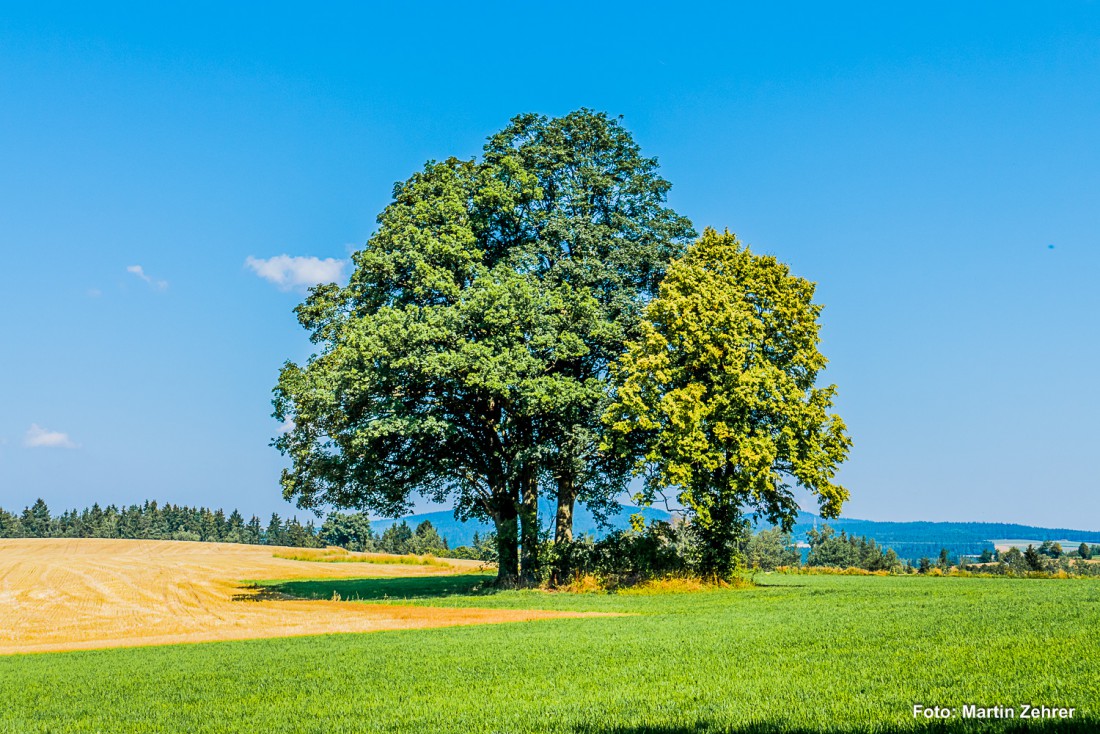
x=718, y=398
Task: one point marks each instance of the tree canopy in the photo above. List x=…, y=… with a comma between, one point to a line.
x=721, y=388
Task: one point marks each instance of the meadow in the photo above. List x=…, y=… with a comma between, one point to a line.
x=794, y=654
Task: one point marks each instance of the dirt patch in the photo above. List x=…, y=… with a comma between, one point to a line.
x=76, y=594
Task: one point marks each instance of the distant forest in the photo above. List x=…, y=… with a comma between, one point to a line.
x=898, y=544
x=151, y=521
x=942, y=532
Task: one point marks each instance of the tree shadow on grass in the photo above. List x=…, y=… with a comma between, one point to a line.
x=765, y=585
x=1078, y=725
x=260, y=592
x=384, y=589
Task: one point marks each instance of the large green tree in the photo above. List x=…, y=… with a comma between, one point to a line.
x=412, y=390
x=721, y=387
x=467, y=359
x=596, y=227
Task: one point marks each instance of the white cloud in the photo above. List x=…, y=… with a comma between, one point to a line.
x=140, y=272
x=94, y=293
x=39, y=438
x=297, y=272
x=286, y=426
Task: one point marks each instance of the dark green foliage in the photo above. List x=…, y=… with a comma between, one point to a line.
x=770, y=549
x=1051, y=549
x=36, y=520
x=274, y=533
x=397, y=539
x=426, y=539
x=253, y=531
x=351, y=531
x=187, y=535
x=663, y=549
x=944, y=561
x=401, y=539
x=1014, y=562
x=299, y=536
x=1033, y=559
x=234, y=528
x=208, y=526
x=924, y=565
x=1083, y=551
x=481, y=548
x=10, y=526
x=851, y=551
x=986, y=556
x=660, y=549
x=150, y=521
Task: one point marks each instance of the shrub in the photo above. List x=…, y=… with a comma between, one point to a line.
x=182, y=534
x=623, y=557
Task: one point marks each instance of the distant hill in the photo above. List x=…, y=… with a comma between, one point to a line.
x=910, y=540
x=913, y=540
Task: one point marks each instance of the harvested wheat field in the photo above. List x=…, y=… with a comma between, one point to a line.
x=73, y=594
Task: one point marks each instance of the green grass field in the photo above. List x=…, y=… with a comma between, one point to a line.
x=798, y=653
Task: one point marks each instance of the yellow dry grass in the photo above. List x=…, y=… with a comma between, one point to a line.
x=339, y=555
x=74, y=594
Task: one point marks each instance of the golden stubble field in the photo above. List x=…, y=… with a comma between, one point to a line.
x=74, y=594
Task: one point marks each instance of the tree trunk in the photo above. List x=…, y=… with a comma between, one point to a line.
x=507, y=525
x=563, y=521
x=563, y=529
x=529, y=516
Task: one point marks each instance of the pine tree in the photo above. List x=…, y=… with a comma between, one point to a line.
x=944, y=561
x=36, y=520
x=1033, y=559
x=254, y=531
x=396, y=539
x=274, y=535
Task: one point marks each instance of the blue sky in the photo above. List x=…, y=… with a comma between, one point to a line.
x=934, y=167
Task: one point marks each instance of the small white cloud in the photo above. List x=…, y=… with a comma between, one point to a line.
x=297, y=272
x=286, y=426
x=140, y=272
x=39, y=438
x=94, y=293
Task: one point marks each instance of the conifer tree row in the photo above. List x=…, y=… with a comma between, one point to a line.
x=152, y=521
